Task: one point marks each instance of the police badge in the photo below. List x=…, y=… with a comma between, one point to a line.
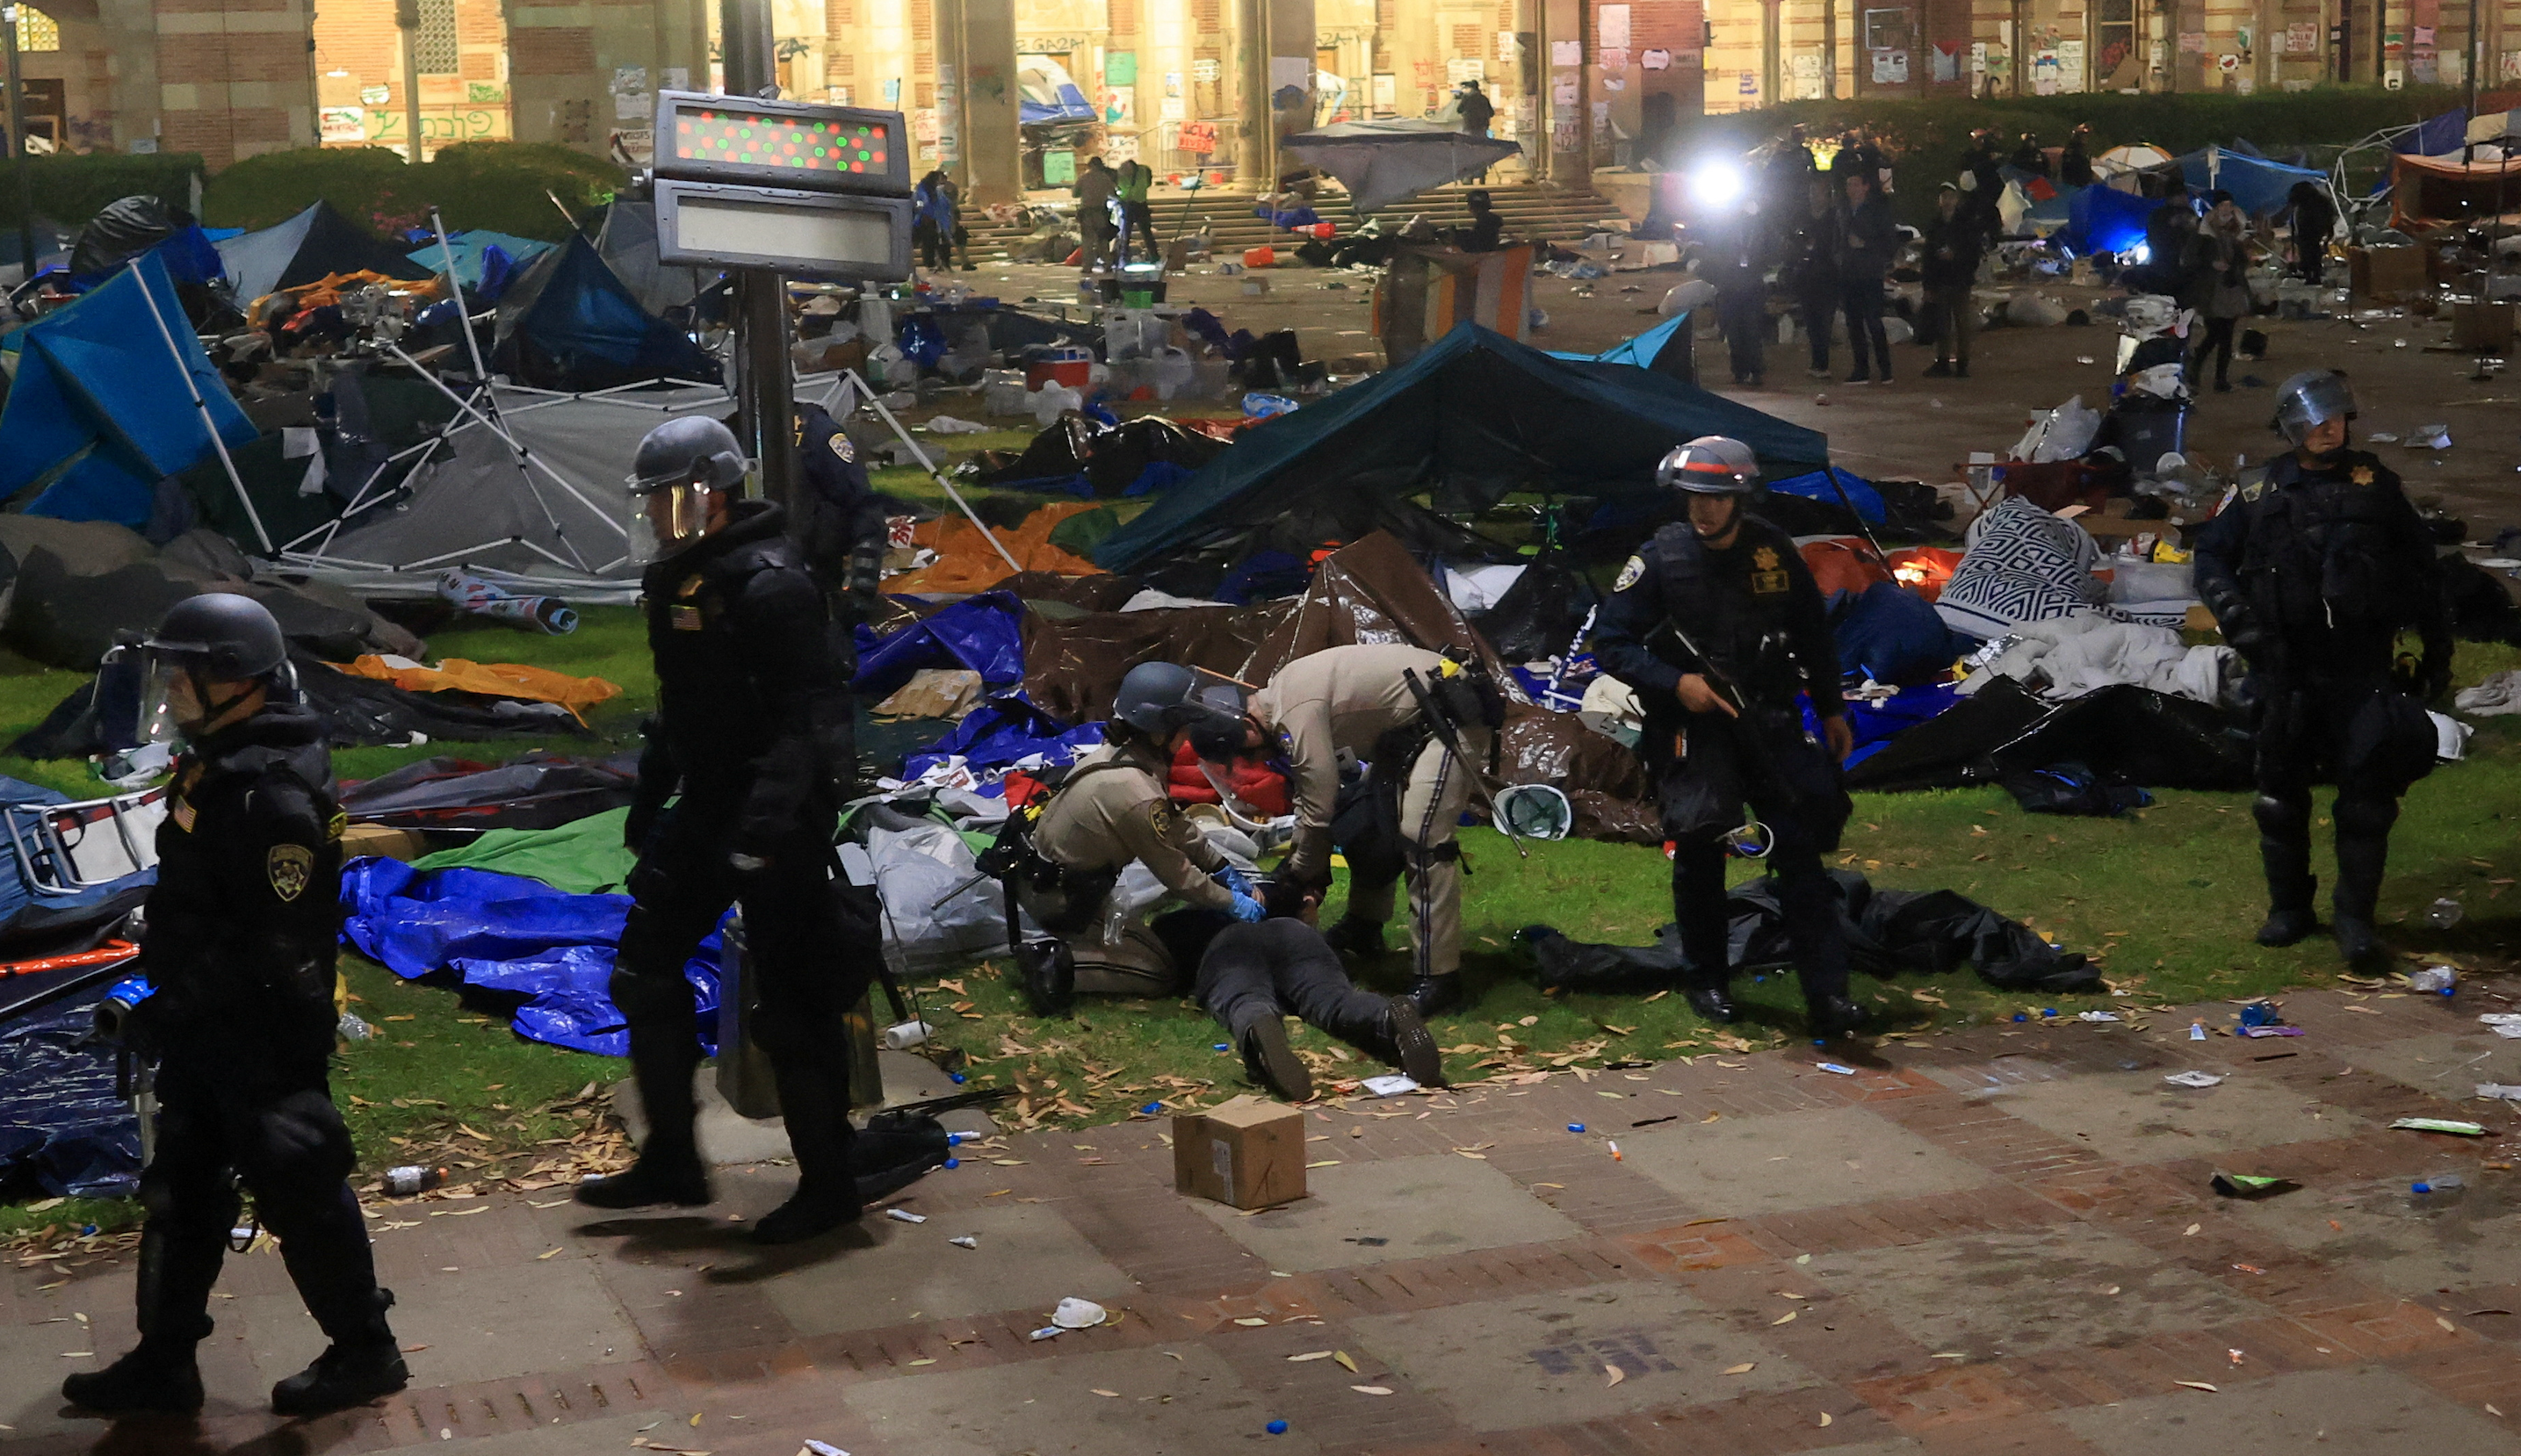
x=1765, y=577
x=290, y=866
x=842, y=447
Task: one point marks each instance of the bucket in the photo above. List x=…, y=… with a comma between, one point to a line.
x=1259, y=257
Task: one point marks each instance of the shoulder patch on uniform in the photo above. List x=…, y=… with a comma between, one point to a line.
x=2253, y=490
x=289, y=867
x=337, y=824
x=1630, y=574
x=842, y=447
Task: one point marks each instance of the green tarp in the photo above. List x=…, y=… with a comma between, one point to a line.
x=581, y=857
x=1473, y=418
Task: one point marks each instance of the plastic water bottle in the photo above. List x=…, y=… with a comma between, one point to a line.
x=2443, y=913
x=411, y=1178
x=2435, y=979
x=2437, y=1189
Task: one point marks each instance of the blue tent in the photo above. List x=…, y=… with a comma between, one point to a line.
x=2259, y=185
x=471, y=246
x=2104, y=219
x=1664, y=348
x=569, y=322
x=1474, y=417
x=99, y=412
x=2434, y=136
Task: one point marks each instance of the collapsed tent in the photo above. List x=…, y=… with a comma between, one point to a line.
x=535, y=791
x=2133, y=733
x=1666, y=348
x=99, y=411
x=2261, y=187
x=1387, y=161
x=1888, y=931
x=123, y=229
x=1475, y=416
x=314, y=244
x=472, y=250
x=570, y=322
x=2426, y=192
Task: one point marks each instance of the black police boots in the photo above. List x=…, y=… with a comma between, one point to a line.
x=158, y=1375
x=2287, y=925
x=670, y=1169
x=814, y=1103
x=1261, y=1035
x=1048, y=969
x=1833, y=1017
x=2360, y=861
x=1438, y=995
x=363, y=1363
x=1405, y=1042
x=1714, y=1001
x=1360, y=938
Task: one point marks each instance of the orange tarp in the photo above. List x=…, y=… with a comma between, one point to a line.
x=494, y=679
x=965, y=562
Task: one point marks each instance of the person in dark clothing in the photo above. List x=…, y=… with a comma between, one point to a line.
x=1869, y=241
x=2074, y=163
x=2311, y=215
x=1983, y=165
x=1736, y=260
x=1812, y=267
x=1952, y=244
x=2217, y=273
x=747, y=689
x=2168, y=231
x=2312, y=574
x=1717, y=624
x=1789, y=171
x=931, y=227
x=1477, y=110
x=1487, y=231
x=1253, y=976
x=2029, y=156
x=243, y=926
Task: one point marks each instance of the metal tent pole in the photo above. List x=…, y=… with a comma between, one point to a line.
x=934, y=473
x=201, y=405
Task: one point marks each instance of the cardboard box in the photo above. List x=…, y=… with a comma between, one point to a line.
x=376, y=838
x=2387, y=272
x=1246, y=1152
x=2482, y=328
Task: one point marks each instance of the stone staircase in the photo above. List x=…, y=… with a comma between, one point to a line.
x=1538, y=210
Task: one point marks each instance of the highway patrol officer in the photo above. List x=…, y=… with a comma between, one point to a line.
x=1717, y=625
x=745, y=689
x=243, y=926
x=2312, y=574
x=1379, y=703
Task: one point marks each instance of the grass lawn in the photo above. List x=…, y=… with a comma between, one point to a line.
x=2166, y=898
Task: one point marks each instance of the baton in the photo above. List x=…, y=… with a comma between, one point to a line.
x=1443, y=727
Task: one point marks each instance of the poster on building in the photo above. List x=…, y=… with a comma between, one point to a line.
x=2507, y=66
x=924, y=125
x=1946, y=62
x=638, y=142
x=1749, y=85
x=2043, y=72
x=1561, y=134
x=2070, y=67
x=2302, y=38
x=1613, y=60
x=1562, y=91
x=1890, y=68
x=678, y=79
x=1119, y=147
x=342, y=123
x=1611, y=28
x=1120, y=68
x=1197, y=137
x=631, y=100
x=1465, y=68
x=1808, y=84
x=1656, y=60
x=1509, y=48
x=1387, y=93
x=1978, y=58
x=1172, y=108
x=1205, y=69
x=1567, y=53
x=2192, y=42
x=375, y=95
x=1601, y=120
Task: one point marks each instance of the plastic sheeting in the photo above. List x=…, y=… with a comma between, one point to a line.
x=1072, y=667
x=1889, y=931
x=967, y=563
x=2141, y=736
x=490, y=679
x=569, y=322
x=61, y=1130
x=983, y=633
x=583, y=858
x=1387, y=162
x=1002, y=733
x=533, y=791
x=472, y=250
x=926, y=930
x=549, y=950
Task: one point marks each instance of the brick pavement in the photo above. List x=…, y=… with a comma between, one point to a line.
x=1996, y=1241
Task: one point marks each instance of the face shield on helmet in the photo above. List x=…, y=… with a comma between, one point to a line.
x=680, y=467
x=665, y=521
x=2310, y=399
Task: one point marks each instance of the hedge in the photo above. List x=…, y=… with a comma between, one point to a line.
x=496, y=185
x=71, y=187
x=1927, y=138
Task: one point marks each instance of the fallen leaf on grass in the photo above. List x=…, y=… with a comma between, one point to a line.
x=2192, y=1229
x=1745, y=1368
x=1250, y=1320
x=1616, y=1375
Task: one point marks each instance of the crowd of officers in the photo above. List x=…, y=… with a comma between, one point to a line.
x=2313, y=572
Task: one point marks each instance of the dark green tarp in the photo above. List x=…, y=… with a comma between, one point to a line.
x=1473, y=418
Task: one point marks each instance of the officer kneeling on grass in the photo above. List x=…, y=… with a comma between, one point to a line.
x=747, y=695
x=242, y=927
x=2312, y=574
x=1717, y=624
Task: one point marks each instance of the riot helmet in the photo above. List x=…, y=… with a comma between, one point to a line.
x=1147, y=691
x=681, y=465
x=2310, y=399
x=203, y=642
x=1711, y=465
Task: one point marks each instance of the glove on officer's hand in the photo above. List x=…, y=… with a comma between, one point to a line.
x=636, y=826
x=2244, y=634
x=1234, y=880
x=1248, y=910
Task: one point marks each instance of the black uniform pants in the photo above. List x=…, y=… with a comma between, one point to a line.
x=1277, y=967
x=807, y=973
x=280, y=1134
x=2301, y=729
x=1862, y=298
x=1805, y=817
x=1742, y=309
x=1819, y=303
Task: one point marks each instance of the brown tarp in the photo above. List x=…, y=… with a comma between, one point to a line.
x=2428, y=192
x=1073, y=665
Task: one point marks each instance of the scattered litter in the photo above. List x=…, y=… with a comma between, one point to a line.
x=2429, y=438
x=1308, y=1355
x=1371, y=1389
x=2440, y=1124
x=2441, y=980
x=948, y=425
x=1745, y=1368
x=1074, y=1314
x=964, y=1241
x=1834, y=1067
x=2193, y=1078
x=1367, y=1241
x=1616, y=1374
x=2251, y=1185
x=1389, y=1086
x=2098, y=1016
x=2233, y=1356
x=2500, y=1091
x=2198, y=1385
x=1575, y=1128
x=2196, y=1030
x=1276, y=1428
x=814, y=1447
x=2451, y=1183
x=1047, y=1332
x=905, y=1215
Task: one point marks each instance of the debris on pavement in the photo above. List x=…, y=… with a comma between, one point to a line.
x=2250, y=1185
x=2440, y=1124
x=2193, y=1078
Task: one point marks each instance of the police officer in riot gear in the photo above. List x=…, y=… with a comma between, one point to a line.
x=242, y=931
x=838, y=521
x=1717, y=624
x=2313, y=573
x=747, y=691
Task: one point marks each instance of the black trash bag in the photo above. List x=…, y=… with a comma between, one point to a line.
x=1538, y=617
x=1116, y=457
x=896, y=1150
x=1613, y=969
x=2138, y=735
x=123, y=230
x=1056, y=454
x=2073, y=789
x=535, y=791
x=2482, y=609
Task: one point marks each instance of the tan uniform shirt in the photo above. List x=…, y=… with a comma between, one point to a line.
x=1339, y=698
x=1104, y=817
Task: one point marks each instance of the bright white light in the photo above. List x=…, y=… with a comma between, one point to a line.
x=1716, y=184
x=2140, y=254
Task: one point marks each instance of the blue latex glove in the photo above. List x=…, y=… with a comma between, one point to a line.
x=1248, y=909
x=1234, y=880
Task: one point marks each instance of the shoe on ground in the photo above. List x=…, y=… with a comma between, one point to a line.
x=1413, y=1047
x=648, y=1182
x=1714, y=1003
x=140, y=1382
x=1939, y=370
x=808, y=1213
x=1884, y=379
x=1360, y=938
x=1834, y=1017
x=2223, y=387
x=2287, y=927
x=1436, y=995
x=2359, y=944
x=1269, y=1061
x=1818, y=373
x=1859, y=379
x=342, y=1377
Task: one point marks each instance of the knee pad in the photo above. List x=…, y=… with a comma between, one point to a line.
x=2365, y=815
x=2285, y=816
x=300, y=1147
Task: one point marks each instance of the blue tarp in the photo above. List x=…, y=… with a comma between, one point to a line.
x=2259, y=185
x=471, y=246
x=1000, y=732
x=1816, y=486
x=570, y=323
x=512, y=937
x=1071, y=106
x=1647, y=350
x=98, y=391
x=2104, y=219
x=1876, y=724
x=984, y=633
x=1474, y=417
x=2435, y=135
x=62, y=1128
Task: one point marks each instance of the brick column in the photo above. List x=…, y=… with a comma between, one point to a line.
x=234, y=77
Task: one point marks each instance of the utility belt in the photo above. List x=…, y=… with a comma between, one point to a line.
x=1458, y=698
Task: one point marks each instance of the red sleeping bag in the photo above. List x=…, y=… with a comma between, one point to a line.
x=1256, y=783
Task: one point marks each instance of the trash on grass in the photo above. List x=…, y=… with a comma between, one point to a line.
x=2098, y=1016
x=1389, y=1086
x=2193, y=1078
x=2440, y=1124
